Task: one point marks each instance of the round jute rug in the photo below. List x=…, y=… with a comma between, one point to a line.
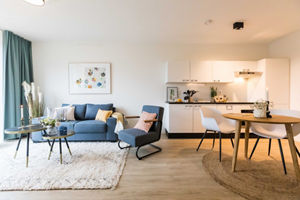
x=253, y=179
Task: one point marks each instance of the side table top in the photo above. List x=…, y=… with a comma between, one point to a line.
x=57, y=135
x=276, y=119
x=25, y=129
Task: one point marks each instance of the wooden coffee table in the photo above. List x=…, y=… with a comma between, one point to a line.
x=28, y=129
x=59, y=137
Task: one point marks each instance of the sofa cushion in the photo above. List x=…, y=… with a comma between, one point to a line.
x=90, y=126
x=79, y=111
x=69, y=124
x=136, y=137
x=92, y=109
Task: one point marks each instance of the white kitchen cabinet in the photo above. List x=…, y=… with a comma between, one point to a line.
x=180, y=118
x=186, y=118
x=223, y=71
x=276, y=77
x=201, y=71
x=178, y=71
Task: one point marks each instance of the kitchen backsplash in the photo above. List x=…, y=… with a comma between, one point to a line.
x=236, y=91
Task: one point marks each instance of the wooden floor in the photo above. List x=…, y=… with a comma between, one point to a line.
x=175, y=173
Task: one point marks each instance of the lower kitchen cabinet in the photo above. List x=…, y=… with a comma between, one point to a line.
x=186, y=118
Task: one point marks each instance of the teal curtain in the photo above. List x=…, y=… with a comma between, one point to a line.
x=17, y=63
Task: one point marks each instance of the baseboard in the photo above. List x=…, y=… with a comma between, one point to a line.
x=199, y=135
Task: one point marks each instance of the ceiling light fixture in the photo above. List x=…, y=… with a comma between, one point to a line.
x=238, y=25
x=208, y=22
x=36, y=2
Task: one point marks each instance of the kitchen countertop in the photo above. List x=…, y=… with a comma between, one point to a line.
x=208, y=102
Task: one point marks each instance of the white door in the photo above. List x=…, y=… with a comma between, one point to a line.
x=178, y=71
x=223, y=71
x=201, y=71
x=180, y=118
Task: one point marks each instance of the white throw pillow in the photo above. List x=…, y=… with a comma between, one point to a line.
x=64, y=113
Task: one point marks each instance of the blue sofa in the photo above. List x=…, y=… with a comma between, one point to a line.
x=85, y=126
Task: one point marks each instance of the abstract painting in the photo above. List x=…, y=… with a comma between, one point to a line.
x=89, y=78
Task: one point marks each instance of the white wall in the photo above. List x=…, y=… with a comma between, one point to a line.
x=137, y=70
x=289, y=46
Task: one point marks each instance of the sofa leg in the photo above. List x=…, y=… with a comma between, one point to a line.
x=122, y=147
x=154, y=146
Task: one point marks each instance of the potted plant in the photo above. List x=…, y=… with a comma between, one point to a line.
x=213, y=93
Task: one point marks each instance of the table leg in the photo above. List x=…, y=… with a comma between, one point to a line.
x=236, y=143
x=47, y=140
x=68, y=146
x=60, y=151
x=290, y=135
x=27, y=152
x=246, y=138
x=51, y=149
x=18, y=145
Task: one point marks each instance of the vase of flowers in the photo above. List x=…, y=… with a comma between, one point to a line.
x=48, y=123
x=260, y=109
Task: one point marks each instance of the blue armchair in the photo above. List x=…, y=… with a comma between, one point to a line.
x=139, y=138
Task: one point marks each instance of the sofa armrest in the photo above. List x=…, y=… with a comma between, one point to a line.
x=111, y=125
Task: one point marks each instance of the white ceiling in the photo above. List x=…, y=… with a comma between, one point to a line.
x=151, y=21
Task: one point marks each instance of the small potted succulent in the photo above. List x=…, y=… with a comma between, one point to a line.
x=260, y=109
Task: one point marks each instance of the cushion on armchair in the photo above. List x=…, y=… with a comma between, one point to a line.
x=145, y=126
x=92, y=109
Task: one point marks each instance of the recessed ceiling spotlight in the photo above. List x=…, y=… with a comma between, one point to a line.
x=36, y=2
x=208, y=22
x=238, y=25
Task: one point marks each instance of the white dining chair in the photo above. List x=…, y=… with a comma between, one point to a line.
x=213, y=121
x=276, y=131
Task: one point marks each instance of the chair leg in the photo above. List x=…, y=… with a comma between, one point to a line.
x=214, y=138
x=141, y=157
x=231, y=142
x=297, y=151
x=254, y=147
x=122, y=147
x=270, y=141
x=282, y=156
x=201, y=140
x=220, y=146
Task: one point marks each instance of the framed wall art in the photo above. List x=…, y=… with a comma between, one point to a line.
x=172, y=94
x=89, y=78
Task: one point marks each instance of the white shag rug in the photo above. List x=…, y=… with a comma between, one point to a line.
x=97, y=165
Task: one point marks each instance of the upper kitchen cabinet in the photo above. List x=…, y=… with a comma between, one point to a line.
x=201, y=71
x=178, y=71
x=223, y=71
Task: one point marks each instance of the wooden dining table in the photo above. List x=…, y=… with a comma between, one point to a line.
x=276, y=119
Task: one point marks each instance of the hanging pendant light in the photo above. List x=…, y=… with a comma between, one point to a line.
x=36, y=2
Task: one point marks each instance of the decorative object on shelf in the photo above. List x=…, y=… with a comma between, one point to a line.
x=172, y=94
x=220, y=99
x=89, y=78
x=260, y=109
x=35, y=100
x=213, y=93
x=188, y=95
